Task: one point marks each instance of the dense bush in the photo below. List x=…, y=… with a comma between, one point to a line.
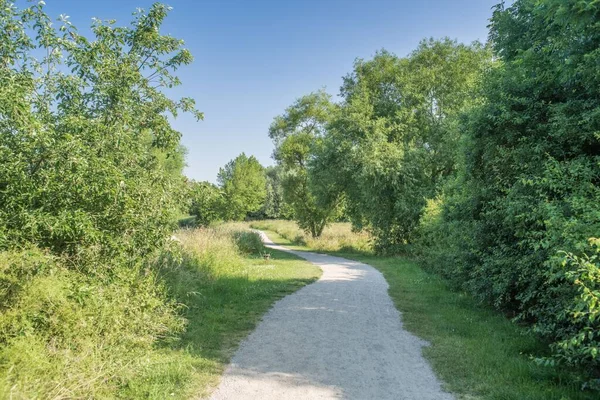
x=86, y=155
x=516, y=228
x=90, y=185
x=579, y=319
x=248, y=242
x=207, y=202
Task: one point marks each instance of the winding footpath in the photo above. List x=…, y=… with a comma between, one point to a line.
x=338, y=338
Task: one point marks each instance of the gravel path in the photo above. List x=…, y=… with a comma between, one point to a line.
x=338, y=338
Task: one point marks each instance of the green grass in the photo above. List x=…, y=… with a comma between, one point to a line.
x=337, y=236
x=224, y=293
x=163, y=332
x=477, y=352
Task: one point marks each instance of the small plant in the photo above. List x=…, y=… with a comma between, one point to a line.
x=249, y=242
x=266, y=257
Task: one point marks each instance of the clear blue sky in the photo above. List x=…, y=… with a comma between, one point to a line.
x=255, y=57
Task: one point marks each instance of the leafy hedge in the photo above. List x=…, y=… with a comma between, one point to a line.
x=518, y=227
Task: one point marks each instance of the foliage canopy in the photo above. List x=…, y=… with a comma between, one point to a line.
x=517, y=227
x=85, y=139
x=244, y=187
x=395, y=140
x=296, y=134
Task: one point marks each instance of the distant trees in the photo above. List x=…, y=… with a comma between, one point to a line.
x=297, y=134
x=242, y=191
x=275, y=206
x=207, y=202
x=243, y=183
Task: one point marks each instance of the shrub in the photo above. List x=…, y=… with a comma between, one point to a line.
x=89, y=163
x=249, y=242
x=576, y=323
x=207, y=203
x=513, y=229
x=65, y=333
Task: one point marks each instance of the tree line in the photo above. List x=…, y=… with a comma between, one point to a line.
x=481, y=160
x=244, y=190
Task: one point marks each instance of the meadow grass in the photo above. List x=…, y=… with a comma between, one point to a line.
x=337, y=236
x=477, y=352
x=215, y=279
x=225, y=286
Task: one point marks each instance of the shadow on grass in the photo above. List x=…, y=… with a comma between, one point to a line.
x=222, y=307
x=187, y=222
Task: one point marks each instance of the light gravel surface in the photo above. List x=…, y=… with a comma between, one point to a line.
x=338, y=338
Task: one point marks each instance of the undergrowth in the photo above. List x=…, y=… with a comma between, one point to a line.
x=155, y=331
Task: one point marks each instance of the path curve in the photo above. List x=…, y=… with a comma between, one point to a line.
x=338, y=338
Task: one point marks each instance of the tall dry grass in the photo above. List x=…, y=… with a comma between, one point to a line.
x=219, y=250
x=337, y=236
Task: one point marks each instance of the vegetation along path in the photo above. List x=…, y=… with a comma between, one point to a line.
x=340, y=337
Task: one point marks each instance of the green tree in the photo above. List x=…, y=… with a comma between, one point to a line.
x=90, y=186
x=85, y=141
x=243, y=183
x=275, y=206
x=395, y=140
x=296, y=134
x=207, y=203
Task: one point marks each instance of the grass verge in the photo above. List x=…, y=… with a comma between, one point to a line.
x=164, y=330
x=478, y=353
x=225, y=288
